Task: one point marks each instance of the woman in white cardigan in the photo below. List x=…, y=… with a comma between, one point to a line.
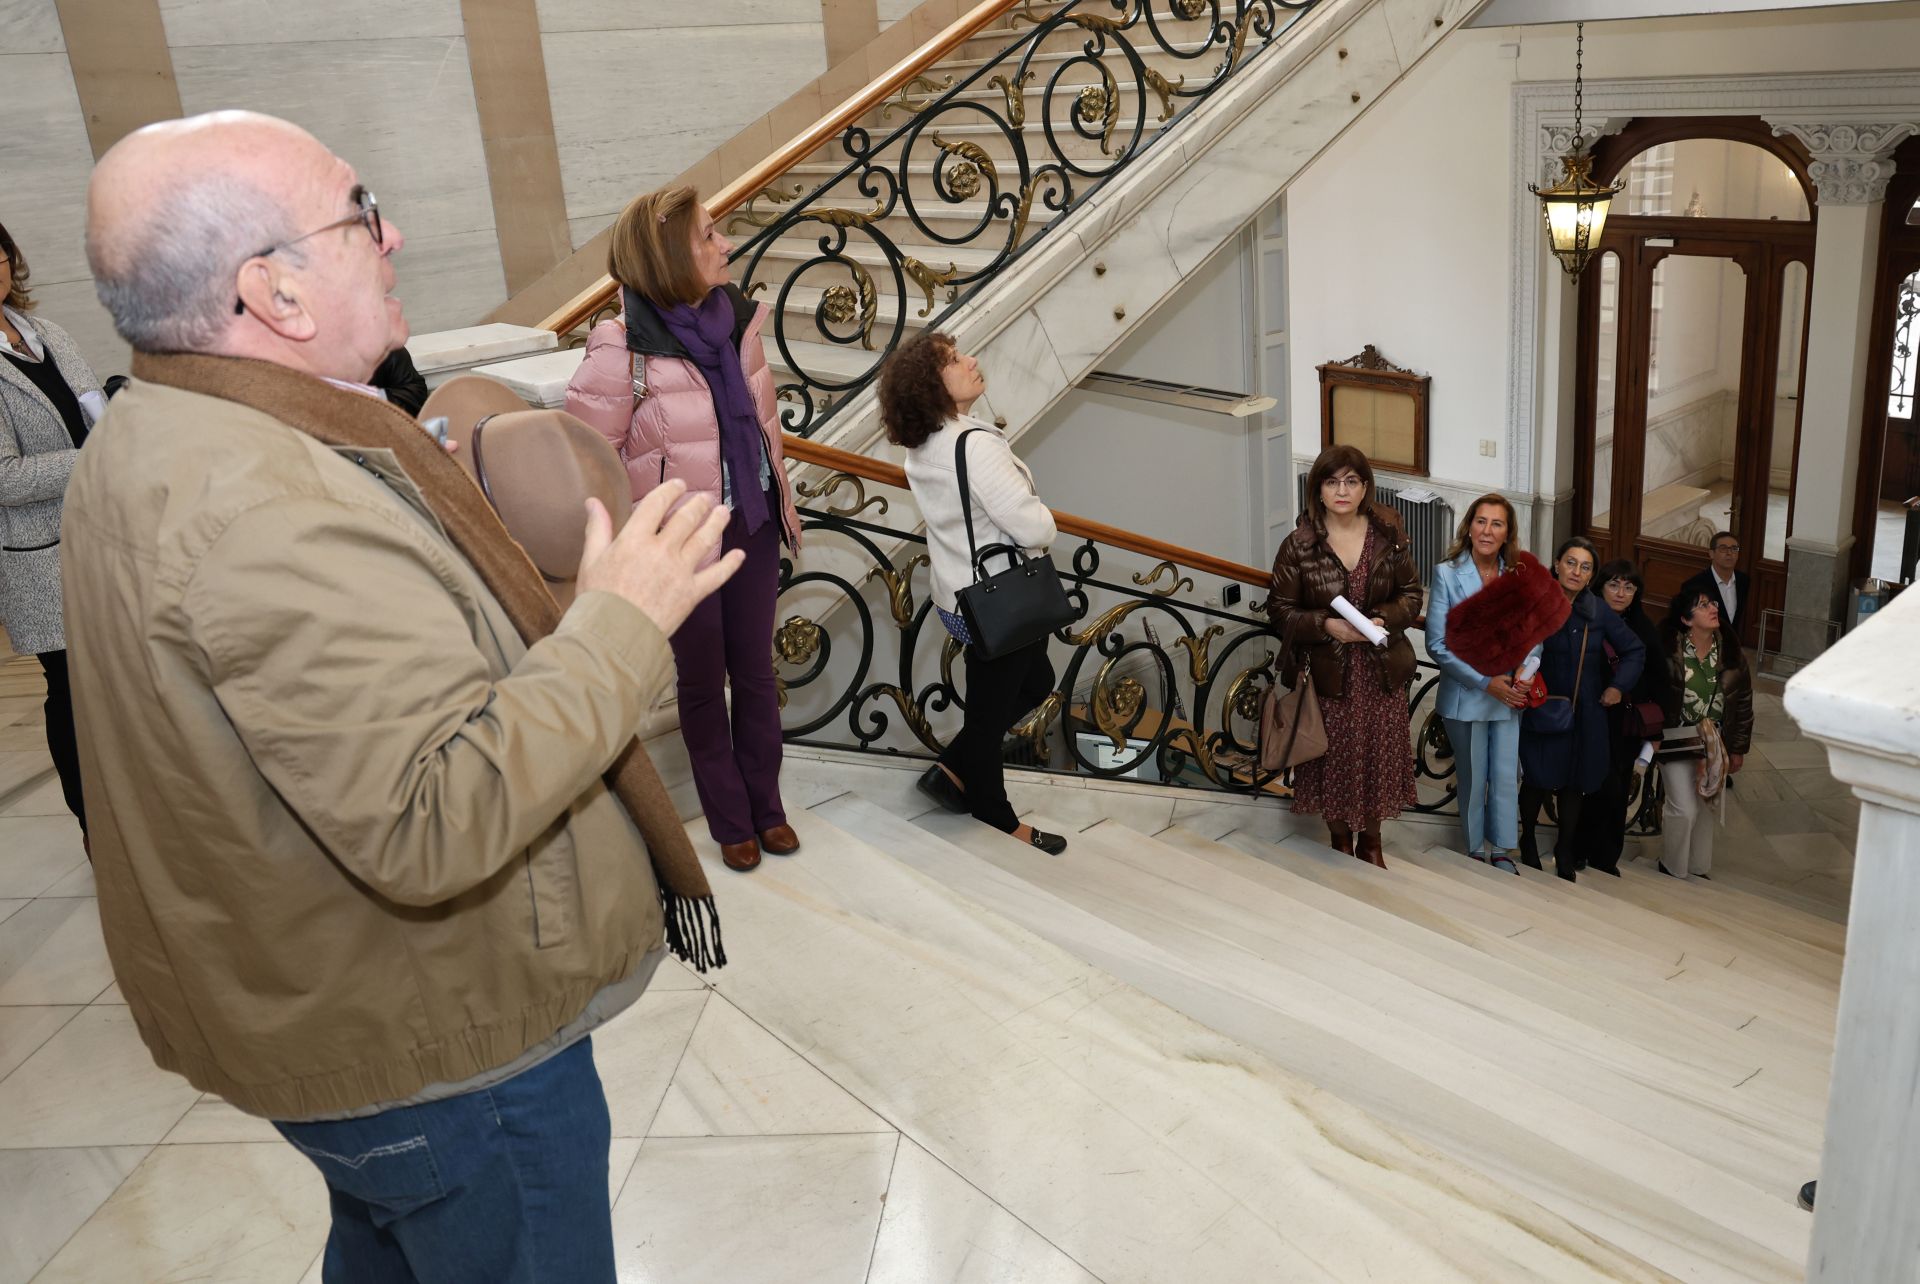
x=926, y=389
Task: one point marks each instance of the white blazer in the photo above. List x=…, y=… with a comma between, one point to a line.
x=1006, y=508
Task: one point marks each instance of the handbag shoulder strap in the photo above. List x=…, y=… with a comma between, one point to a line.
x=1580, y=668
x=966, y=493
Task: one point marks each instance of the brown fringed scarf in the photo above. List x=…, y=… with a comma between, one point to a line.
x=338, y=417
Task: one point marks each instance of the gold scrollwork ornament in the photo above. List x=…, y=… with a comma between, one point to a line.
x=753, y=216
x=1188, y=10
x=838, y=482
x=1035, y=726
x=1153, y=577
x=1015, y=93
x=1116, y=706
x=930, y=280
x=1197, y=649
x=900, y=588
x=911, y=105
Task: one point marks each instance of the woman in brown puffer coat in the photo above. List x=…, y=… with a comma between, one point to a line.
x=1347, y=545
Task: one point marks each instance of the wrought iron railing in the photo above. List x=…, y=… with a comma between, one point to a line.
x=973, y=145
x=1101, y=90
x=1152, y=684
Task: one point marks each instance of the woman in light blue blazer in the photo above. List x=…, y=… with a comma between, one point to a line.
x=1482, y=713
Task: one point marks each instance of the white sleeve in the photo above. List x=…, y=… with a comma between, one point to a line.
x=1004, y=491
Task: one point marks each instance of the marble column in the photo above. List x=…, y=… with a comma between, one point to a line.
x=1862, y=700
x=1851, y=165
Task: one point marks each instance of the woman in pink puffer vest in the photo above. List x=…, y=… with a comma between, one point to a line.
x=707, y=417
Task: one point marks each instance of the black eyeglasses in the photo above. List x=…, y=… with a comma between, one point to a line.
x=366, y=212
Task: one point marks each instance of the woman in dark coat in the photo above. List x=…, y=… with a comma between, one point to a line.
x=1602, y=835
x=1567, y=756
x=1347, y=545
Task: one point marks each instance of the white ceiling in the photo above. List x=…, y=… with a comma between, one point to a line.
x=1519, y=13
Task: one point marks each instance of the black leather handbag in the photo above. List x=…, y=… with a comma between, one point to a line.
x=1019, y=606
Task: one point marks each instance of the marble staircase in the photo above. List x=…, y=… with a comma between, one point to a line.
x=1642, y=1062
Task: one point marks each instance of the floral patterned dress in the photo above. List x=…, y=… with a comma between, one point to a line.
x=1366, y=775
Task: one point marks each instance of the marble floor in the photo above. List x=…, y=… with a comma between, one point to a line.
x=1184, y=1052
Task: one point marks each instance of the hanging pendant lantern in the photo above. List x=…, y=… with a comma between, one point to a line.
x=1575, y=208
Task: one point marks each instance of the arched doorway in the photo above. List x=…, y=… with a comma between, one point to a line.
x=1692, y=352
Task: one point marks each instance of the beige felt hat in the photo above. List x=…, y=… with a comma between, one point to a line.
x=536, y=467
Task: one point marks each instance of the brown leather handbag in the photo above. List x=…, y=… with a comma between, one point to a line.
x=1291, y=729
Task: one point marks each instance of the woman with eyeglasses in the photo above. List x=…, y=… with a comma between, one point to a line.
x=1709, y=684
x=1480, y=711
x=1564, y=749
x=680, y=384
x=49, y=400
x=1345, y=545
x=1631, y=725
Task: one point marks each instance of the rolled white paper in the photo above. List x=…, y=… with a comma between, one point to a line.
x=1531, y=667
x=1371, y=631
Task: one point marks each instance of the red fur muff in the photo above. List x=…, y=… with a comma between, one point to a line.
x=1493, y=630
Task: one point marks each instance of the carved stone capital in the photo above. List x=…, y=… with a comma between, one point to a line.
x=1852, y=159
x=1557, y=139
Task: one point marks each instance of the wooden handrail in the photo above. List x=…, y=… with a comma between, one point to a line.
x=877, y=470
x=808, y=141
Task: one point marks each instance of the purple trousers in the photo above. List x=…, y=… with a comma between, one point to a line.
x=729, y=637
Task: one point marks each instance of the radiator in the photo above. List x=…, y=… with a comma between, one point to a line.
x=1429, y=524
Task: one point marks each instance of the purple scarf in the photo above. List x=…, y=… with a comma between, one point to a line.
x=707, y=334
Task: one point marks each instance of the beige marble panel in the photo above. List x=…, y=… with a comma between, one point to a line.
x=46, y=158
x=46, y=1195
x=275, y=22
x=30, y=27
x=214, y=1120
x=753, y=1210
x=737, y=1080
x=449, y=281
x=401, y=112
x=582, y=230
x=938, y=1229
x=248, y=1214
x=52, y=952
x=34, y=854
x=24, y=1030
x=92, y=1084
x=636, y=1054
x=609, y=151
x=655, y=15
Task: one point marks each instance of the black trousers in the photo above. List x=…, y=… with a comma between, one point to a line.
x=999, y=693
x=1602, y=837
x=61, y=742
x=1567, y=803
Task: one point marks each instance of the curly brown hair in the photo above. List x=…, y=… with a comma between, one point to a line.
x=914, y=400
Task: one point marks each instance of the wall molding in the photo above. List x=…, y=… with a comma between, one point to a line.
x=122, y=67
x=1541, y=128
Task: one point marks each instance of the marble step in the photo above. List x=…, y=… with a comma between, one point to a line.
x=1725, y=1056
x=1833, y=910
x=1127, y=879
x=1820, y=941
x=1540, y=897
x=1426, y=897
x=1668, y=913
x=1778, y=1123
x=1669, y=1208
x=1143, y=1145
x=1756, y=968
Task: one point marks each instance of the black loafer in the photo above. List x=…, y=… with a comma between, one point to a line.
x=937, y=785
x=1051, y=844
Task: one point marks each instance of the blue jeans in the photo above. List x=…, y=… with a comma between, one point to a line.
x=507, y=1184
x=1486, y=767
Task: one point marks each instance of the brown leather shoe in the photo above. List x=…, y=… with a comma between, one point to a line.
x=741, y=856
x=1367, y=847
x=779, y=841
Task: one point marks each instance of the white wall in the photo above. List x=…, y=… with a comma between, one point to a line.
x=1177, y=475
x=1399, y=232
